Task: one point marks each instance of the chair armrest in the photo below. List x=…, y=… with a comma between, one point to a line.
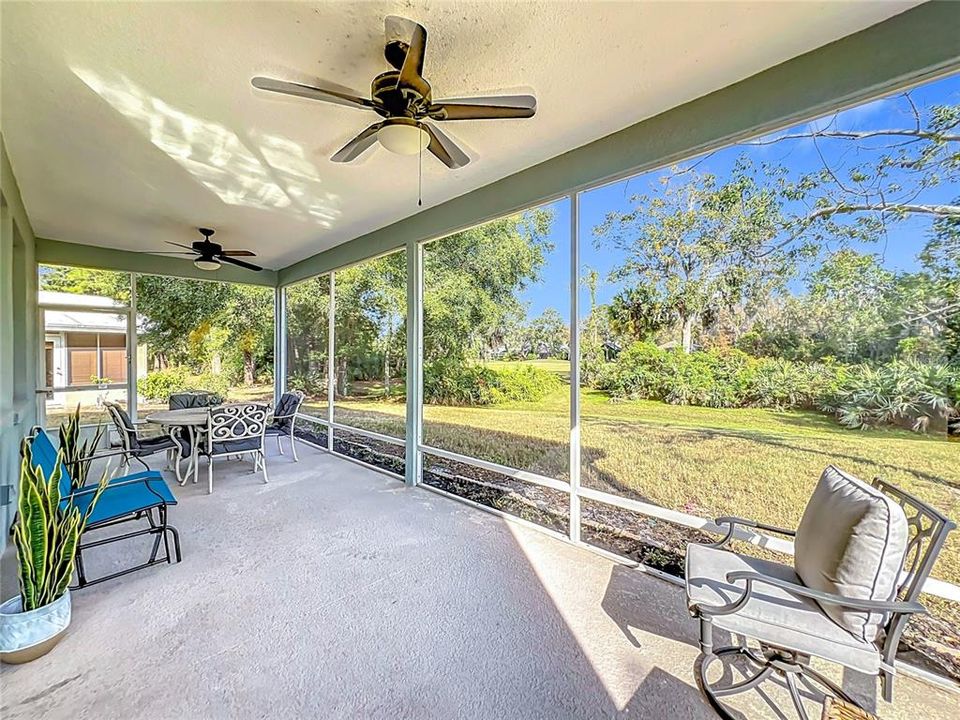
x=95, y=456
x=733, y=522
x=898, y=606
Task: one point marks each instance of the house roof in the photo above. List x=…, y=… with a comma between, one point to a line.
x=64, y=320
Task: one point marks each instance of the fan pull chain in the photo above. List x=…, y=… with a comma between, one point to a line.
x=420, y=178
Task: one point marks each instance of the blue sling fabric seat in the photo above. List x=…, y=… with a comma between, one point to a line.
x=128, y=498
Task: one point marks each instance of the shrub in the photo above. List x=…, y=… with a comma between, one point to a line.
x=636, y=374
x=451, y=382
x=860, y=395
x=312, y=382
x=900, y=391
x=717, y=378
x=160, y=384
x=524, y=383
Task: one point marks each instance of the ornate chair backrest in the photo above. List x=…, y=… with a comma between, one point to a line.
x=125, y=428
x=288, y=406
x=928, y=530
x=237, y=421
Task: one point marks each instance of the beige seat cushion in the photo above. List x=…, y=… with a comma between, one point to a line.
x=772, y=615
x=851, y=541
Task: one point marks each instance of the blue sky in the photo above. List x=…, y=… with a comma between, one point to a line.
x=898, y=251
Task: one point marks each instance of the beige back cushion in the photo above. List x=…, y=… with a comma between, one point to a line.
x=851, y=542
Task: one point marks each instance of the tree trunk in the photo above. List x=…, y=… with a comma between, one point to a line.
x=249, y=368
x=341, y=389
x=687, y=338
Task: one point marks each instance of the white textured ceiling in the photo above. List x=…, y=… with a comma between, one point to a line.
x=128, y=124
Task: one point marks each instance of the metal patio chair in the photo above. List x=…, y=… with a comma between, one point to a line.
x=862, y=554
x=130, y=498
x=133, y=445
x=284, y=418
x=235, y=429
x=189, y=399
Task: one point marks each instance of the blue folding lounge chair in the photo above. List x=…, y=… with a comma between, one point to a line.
x=126, y=499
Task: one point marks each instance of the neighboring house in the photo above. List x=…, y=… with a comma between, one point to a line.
x=85, y=347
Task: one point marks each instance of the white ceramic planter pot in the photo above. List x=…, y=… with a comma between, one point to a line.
x=25, y=636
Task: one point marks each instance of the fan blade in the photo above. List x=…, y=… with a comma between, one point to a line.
x=240, y=263
x=356, y=147
x=160, y=252
x=188, y=247
x=514, y=101
x=324, y=94
x=446, y=150
x=411, y=75
x=471, y=111
x=239, y=253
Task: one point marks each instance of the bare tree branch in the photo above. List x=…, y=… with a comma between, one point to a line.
x=864, y=135
x=881, y=207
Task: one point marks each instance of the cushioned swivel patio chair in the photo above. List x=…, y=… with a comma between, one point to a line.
x=862, y=554
x=140, y=497
x=284, y=418
x=133, y=444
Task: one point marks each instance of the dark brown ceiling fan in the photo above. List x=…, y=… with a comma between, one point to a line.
x=403, y=98
x=209, y=255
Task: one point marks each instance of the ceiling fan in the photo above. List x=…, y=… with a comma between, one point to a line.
x=403, y=98
x=209, y=255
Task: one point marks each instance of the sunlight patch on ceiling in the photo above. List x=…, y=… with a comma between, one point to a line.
x=268, y=172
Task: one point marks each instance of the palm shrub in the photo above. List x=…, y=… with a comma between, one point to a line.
x=76, y=454
x=46, y=534
x=896, y=392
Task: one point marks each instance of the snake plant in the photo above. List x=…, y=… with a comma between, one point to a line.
x=76, y=454
x=46, y=533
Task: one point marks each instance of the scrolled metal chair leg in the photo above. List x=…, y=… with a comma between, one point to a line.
x=767, y=663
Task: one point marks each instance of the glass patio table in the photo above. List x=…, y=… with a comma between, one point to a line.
x=192, y=420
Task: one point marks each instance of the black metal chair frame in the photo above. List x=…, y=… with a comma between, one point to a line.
x=158, y=527
x=929, y=530
x=293, y=421
x=126, y=431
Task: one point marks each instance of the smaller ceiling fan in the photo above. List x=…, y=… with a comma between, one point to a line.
x=209, y=255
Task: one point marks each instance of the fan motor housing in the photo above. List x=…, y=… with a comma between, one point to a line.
x=400, y=102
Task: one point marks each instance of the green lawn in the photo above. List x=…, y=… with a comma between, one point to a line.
x=704, y=461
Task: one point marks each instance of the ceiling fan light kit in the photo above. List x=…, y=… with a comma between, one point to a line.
x=403, y=136
x=404, y=99
x=207, y=263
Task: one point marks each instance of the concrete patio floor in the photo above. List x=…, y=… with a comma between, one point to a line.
x=336, y=592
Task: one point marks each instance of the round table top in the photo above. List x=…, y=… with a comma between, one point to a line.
x=185, y=416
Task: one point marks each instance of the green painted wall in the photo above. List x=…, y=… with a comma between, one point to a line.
x=57, y=252
x=18, y=328
x=908, y=48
